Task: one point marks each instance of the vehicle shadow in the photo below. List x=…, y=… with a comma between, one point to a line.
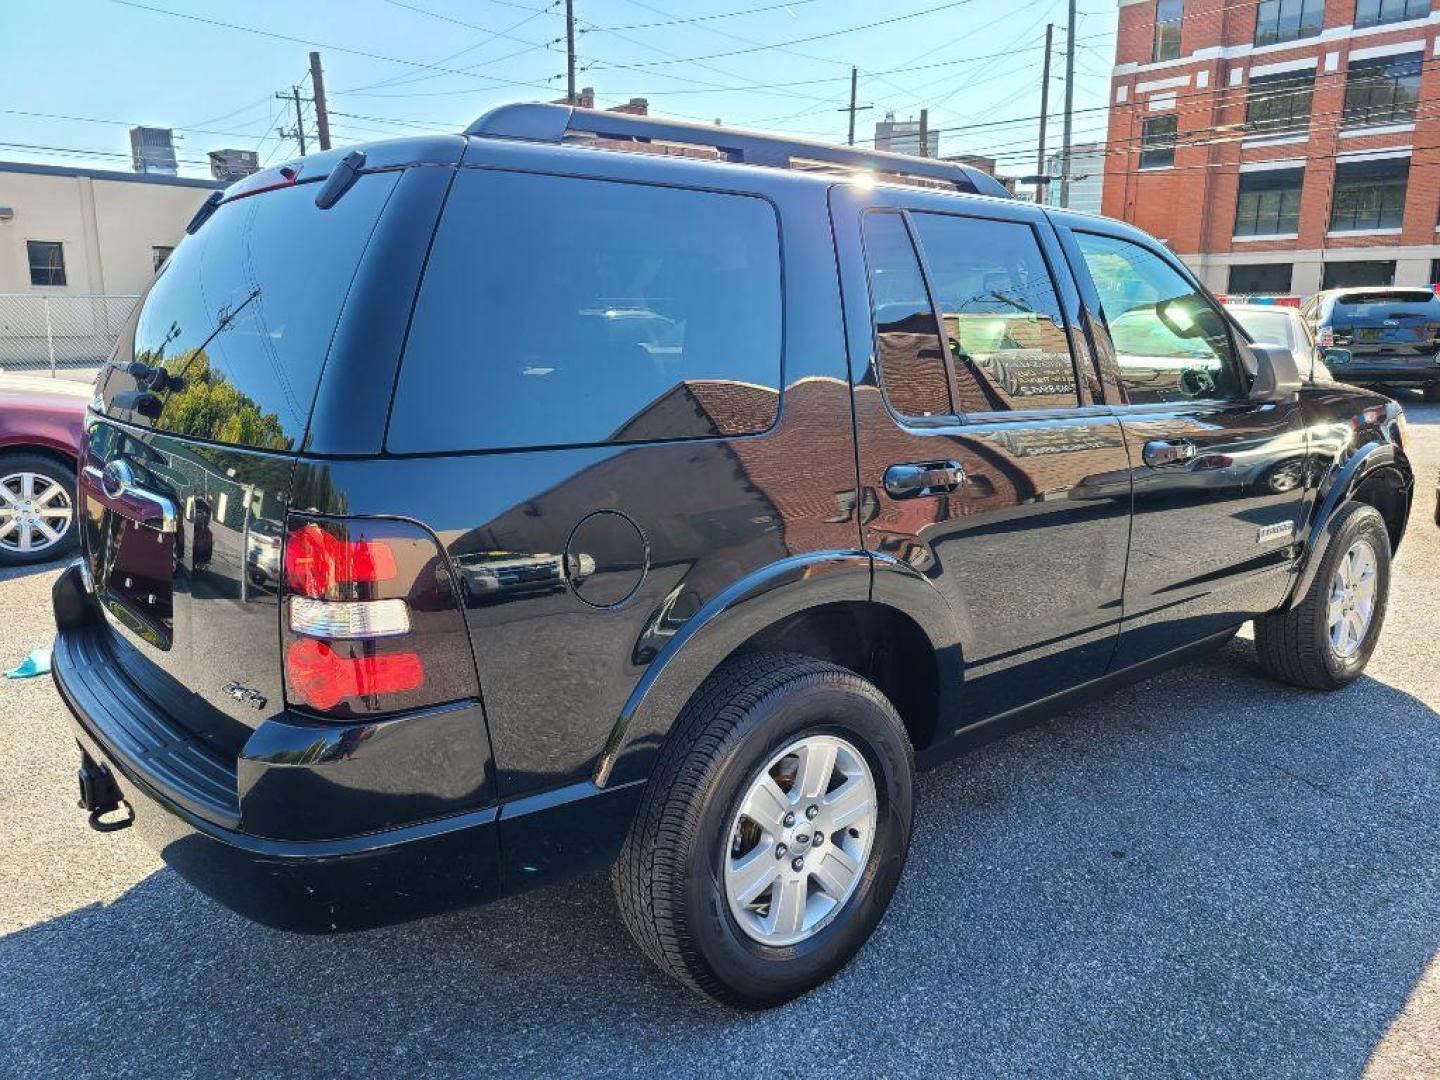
x=14, y=573
x=1203, y=874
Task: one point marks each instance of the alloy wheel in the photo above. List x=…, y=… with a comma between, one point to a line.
x=1352, y=599
x=35, y=512
x=797, y=849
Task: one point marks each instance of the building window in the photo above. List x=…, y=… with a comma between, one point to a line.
x=1263, y=279
x=1373, y=12
x=1169, y=14
x=47, y=262
x=1157, y=142
x=1278, y=104
x=1286, y=20
x=1350, y=275
x=1269, y=202
x=158, y=255
x=1383, y=90
x=1369, y=195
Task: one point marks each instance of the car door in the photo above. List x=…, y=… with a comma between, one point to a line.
x=987, y=468
x=1220, y=480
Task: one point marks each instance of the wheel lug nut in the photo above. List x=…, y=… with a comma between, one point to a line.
x=780, y=851
x=818, y=839
x=797, y=864
x=789, y=820
x=811, y=811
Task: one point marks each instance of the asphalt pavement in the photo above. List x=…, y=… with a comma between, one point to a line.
x=1203, y=875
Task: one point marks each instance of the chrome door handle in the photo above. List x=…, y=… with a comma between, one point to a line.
x=923, y=478
x=1167, y=453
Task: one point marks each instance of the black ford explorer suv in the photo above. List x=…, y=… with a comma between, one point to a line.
x=1379, y=336
x=660, y=496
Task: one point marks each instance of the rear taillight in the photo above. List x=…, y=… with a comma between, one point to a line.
x=372, y=620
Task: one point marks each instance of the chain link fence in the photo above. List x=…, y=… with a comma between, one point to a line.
x=59, y=334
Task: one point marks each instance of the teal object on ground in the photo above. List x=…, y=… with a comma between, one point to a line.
x=37, y=663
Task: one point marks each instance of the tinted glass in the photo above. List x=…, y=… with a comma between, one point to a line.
x=1169, y=16
x=1383, y=90
x=1381, y=304
x=559, y=311
x=1277, y=104
x=1157, y=142
x=1268, y=202
x=1371, y=12
x=1369, y=195
x=1002, y=319
x=47, y=262
x=1286, y=20
x=907, y=340
x=1272, y=278
x=1170, y=342
x=242, y=314
x=1340, y=275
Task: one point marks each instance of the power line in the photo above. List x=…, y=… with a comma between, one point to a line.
x=706, y=18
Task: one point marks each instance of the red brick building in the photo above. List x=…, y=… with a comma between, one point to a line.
x=1281, y=146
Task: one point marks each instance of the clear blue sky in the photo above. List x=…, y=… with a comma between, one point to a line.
x=427, y=65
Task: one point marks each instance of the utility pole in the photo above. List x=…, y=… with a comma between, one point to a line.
x=570, y=51
x=1041, y=188
x=854, y=108
x=298, y=131
x=322, y=114
x=1069, y=109
x=924, y=132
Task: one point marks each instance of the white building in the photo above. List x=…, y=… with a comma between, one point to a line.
x=1087, y=172
x=77, y=231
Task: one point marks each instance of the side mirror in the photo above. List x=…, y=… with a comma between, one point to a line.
x=1276, y=376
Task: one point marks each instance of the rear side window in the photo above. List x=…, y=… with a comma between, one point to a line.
x=242, y=314
x=1170, y=342
x=1001, y=315
x=559, y=311
x=907, y=338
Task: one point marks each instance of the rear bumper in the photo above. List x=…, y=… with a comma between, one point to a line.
x=1387, y=371
x=181, y=807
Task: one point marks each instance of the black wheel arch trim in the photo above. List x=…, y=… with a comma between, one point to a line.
x=748, y=607
x=1367, y=461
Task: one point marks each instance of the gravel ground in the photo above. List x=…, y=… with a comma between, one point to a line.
x=1206, y=874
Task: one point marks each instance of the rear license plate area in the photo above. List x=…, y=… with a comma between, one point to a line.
x=138, y=586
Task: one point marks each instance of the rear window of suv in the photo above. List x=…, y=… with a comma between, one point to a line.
x=242, y=315
x=558, y=311
x=1385, y=304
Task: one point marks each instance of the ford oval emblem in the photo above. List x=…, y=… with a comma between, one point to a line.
x=117, y=478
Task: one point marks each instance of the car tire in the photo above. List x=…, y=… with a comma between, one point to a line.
x=42, y=474
x=1306, y=644
x=681, y=874
x=1431, y=392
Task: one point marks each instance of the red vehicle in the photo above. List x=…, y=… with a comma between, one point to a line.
x=41, y=420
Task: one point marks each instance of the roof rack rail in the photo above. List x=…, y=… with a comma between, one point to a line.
x=552, y=123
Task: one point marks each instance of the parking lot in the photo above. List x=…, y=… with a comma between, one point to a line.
x=1206, y=874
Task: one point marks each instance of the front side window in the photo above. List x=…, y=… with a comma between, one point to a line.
x=1288, y=20
x=47, y=262
x=1369, y=195
x=1279, y=104
x=1157, y=142
x=1169, y=17
x=1170, y=342
x=1269, y=202
x=1383, y=90
x=1375, y=12
x=1002, y=319
x=908, y=350
x=560, y=311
